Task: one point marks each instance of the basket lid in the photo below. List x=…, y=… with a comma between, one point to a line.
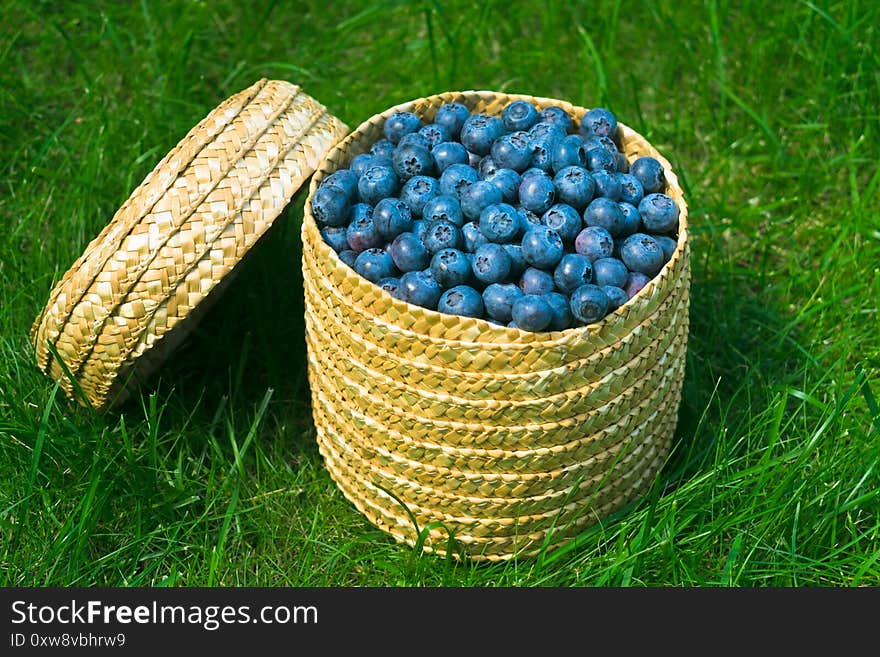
x=144, y=281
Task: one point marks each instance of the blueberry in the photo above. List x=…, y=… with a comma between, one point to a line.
x=519, y=115
x=560, y=318
x=412, y=160
x=391, y=285
x=601, y=142
x=632, y=220
x=361, y=163
x=412, y=139
x=567, y=153
x=507, y=181
x=450, y=267
x=517, y=262
x=599, y=122
x=616, y=297
x=659, y=213
x=474, y=160
x=542, y=247
x=330, y=205
x=420, y=288
x=335, y=237
x=478, y=196
x=631, y=190
x=382, y=147
x=589, y=303
x=528, y=219
x=399, y=124
x=491, y=263
x=605, y=213
x=513, y=151
x=575, y=186
x=348, y=257
x=531, y=312
x=486, y=167
x=650, y=173
x=565, y=220
x=452, y=117
x=461, y=300
x=668, y=246
x=547, y=131
x=607, y=185
x=642, y=253
x=417, y=191
x=361, y=233
x=536, y=281
x=376, y=183
x=391, y=216
x=472, y=236
x=498, y=299
x=442, y=235
x=374, y=265
x=594, y=242
x=408, y=252
x=542, y=154
x=622, y=163
x=443, y=208
x=455, y=178
x=345, y=178
x=572, y=271
x=448, y=153
x=537, y=193
x=420, y=228
x=557, y=116
x=635, y=282
x=609, y=271
x=434, y=134
x=598, y=158
x=479, y=131
x=534, y=171
x=500, y=222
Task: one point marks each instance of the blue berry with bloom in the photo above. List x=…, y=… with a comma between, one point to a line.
x=348, y=257
x=631, y=190
x=542, y=247
x=443, y=208
x=391, y=285
x=447, y=153
x=417, y=191
x=575, y=186
x=605, y=213
x=519, y=115
x=599, y=159
x=599, y=122
x=560, y=318
x=451, y=267
x=528, y=219
x=457, y=177
x=486, y=167
x=382, y=147
x=518, y=264
x=659, y=213
x=601, y=142
x=330, y=205
x=635, y=283
x=420, y=228
x=442, y=235
x=536, y=281
x=374, y=265
x=500, y=222
x=412, y=160
x=594, y=242
x=408, y=252
x=498, y=300
x=391, y=217
x=452, y=117
x=490, y=263
x=512, y=151
x=477, y=196
x=542, y=154
x=345, y=178
x=376, y=183
x=531, y=312
x=642, y=253
x=361, y=233
x=616, y=297
x=361, y=163
x=557, y=116
x=589, y=303
x=565, y=220
x=537, y=193
x=507, y=181
x=632, y=220
x=472, y=236
x=420, y=288
x=479, y=131
x=412, y=139
x=609, y=271
x=434, y=133
x=650, y=173
x=546, y=131
x=572, y=271
x=399, y=124
x=461, y=300
x=567, y=153
x=335, y=237
x=607, y=185
x=667, y=245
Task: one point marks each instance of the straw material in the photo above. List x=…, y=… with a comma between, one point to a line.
x=151, y=273
x=511, y=441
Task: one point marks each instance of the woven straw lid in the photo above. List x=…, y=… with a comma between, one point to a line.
x=144, y=281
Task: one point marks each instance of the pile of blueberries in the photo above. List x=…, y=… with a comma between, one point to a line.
x=526, y=219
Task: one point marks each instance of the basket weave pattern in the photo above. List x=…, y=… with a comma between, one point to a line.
x=180, y=233
x=514, y=441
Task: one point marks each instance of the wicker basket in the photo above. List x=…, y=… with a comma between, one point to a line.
x=511, y=441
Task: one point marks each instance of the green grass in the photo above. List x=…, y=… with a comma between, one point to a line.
x=769, y=114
